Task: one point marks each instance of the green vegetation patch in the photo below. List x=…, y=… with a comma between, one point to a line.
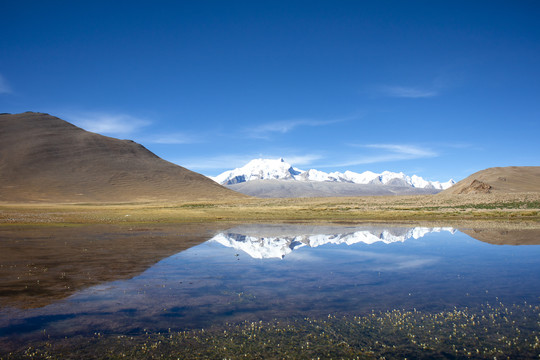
x=486, y=333
x=197, y=206
x=502, y=205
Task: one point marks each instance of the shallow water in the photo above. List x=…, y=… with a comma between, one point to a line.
x=265, y=272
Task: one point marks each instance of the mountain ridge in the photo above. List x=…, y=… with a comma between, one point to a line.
x=278, y=169
x=46, y=159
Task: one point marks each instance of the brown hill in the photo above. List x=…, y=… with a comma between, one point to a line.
x=506, y=237
x=44, y=158
x=511, y=179
x=41, y=265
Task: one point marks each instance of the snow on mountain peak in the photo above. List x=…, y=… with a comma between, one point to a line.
x=258, y=169
x=279, y=169
x=266, y=247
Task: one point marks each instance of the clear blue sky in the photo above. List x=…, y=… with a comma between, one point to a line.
x=440, y=89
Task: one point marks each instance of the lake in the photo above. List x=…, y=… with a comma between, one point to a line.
x=103, y=282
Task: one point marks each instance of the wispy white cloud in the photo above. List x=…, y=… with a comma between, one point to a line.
x=263, y=131
x=388, y=153
x=214, y=163
x=123, y=125
x=175, y=138
x=108, y=123
x=404, y=150
x=4, y=86
x=302, y=160
x=406, y=92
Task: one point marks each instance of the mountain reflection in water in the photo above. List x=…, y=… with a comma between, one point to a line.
x=274, y=241
x=264, y=272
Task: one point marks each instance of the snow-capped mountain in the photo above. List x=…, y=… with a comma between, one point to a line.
x=259, y=169
x=277, y=246
x=278, y=169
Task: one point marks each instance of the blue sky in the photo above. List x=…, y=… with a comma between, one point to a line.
x=440, y=89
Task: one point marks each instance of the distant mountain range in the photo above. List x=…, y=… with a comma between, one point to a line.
x=277, y=178
x=270, y=169
x=270, y=241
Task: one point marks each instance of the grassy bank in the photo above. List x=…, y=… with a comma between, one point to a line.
x=500, y=207
x=523, y=207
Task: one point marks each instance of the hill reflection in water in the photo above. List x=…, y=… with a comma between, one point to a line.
x=297, y=271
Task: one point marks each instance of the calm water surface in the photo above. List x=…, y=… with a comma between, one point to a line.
x=264, y=272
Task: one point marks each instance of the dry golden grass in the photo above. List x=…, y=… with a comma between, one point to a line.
x=512, y=208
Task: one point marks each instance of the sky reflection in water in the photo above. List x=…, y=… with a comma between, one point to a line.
x=273, y=271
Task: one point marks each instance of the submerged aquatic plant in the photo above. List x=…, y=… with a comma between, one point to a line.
x=487, y=332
